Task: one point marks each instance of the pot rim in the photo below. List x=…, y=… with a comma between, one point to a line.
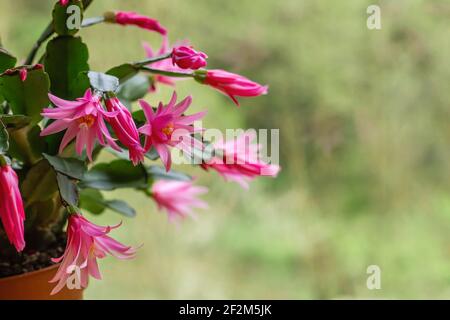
x=28, y=274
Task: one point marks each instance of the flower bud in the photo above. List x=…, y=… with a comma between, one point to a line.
x=187, y=58
x=230, y=84
x=132, y=18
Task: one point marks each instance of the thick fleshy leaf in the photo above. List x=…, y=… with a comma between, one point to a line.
x=67, y=19
x=198, y=156
x=152, y=154
x=27, y=97
x=123, y=72
x=15, y=122
x=67, y=189
x=139, y=117
x=121, y=207
x=7, y=60
x=103, y=82
x=123, y=154
x=68, y=166
x=26, y=144
x=133, y=89
x=92, y=200
x=39, y=184
x=113, y=175
x=66, y=57
x=4, y=138
x=65, y=61
x=159, y=173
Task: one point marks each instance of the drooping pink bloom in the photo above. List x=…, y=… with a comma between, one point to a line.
x=232, y=85
x=12, y=214
x=64, y=2
x=87, y=242
x=239, y=160
x=186, y=57
x=165, y=65
x=125, y=129
x=133, y=18
x=178, y=197
x=168, y=127
x=23, y=74
x=82, y=119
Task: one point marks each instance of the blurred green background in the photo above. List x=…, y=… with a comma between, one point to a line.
x=364, y=124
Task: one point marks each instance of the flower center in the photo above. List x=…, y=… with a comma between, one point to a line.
x=168, y=130
x=86, y=121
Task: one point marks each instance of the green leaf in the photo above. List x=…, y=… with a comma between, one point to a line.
x=27, y=97
x=68, y=166
x=199, y=156
x=7, y=60
x=15, y=122
x=133, y=89
x=139, y=116
x=66, y=61
x=64, y=15
x=159, y=173
x=113, y=175
x=121, y=207
x=123, y=72
x=152, y=154
x=39, y=184
x=4, y=138
x=103, y=82
x=67, y=189
x=93, y=201
x=26, y=144
x=66, y=57
x=124, y=154
x=127, y=104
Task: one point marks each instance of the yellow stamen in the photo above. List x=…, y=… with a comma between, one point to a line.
x=168, y=130
x=87, y=120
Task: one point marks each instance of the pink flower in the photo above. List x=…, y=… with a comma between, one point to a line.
x=169, y=127
x=125, y=129
x=63, y=2
x=133, y=18
x=23, y=74
x=232, y=85
x=178, y=197
x=187, y=58
x=11, y=207
x=165, y=64
x=82, y=119
x=239, y=161
x=85, y=243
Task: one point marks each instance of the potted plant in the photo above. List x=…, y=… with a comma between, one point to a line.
x=57, y=115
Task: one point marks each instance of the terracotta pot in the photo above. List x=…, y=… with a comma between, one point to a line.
x=34, y=286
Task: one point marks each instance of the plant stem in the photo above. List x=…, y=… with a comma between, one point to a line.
x=168, y=73
x=48, y=32
x=147, y=61
x=88, y=22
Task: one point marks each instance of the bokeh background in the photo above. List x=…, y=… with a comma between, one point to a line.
x=364, y=124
